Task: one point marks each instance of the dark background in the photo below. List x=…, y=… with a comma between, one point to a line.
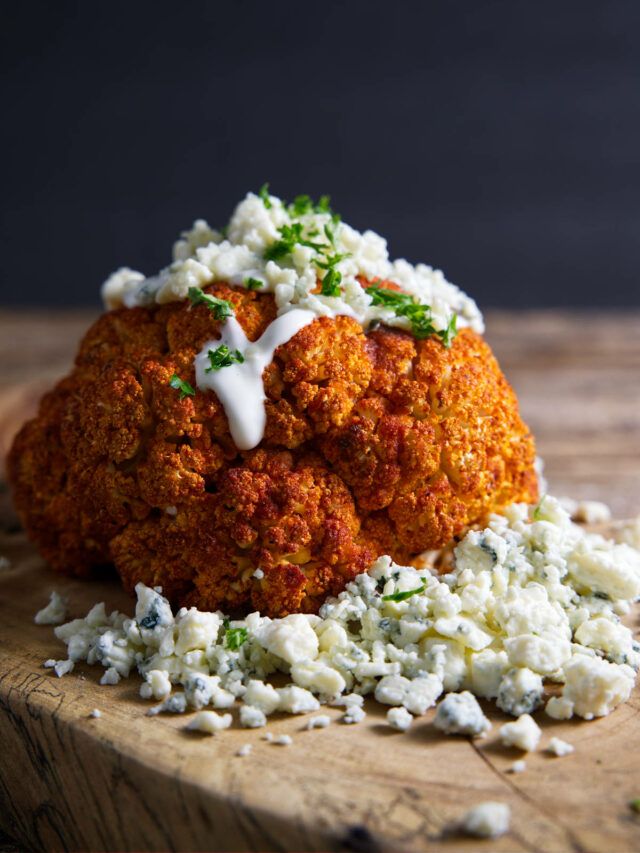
x=497, y=140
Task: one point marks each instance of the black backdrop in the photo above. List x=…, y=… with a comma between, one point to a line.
x=497, y=140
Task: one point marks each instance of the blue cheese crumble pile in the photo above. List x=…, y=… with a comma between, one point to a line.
x=531, y=599
x=284, y=249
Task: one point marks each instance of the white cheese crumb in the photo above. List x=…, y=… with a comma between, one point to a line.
x=460, y=714
x=110, y=676
x=209, y=722
x=258, y=574
x=591, y=512
x=282, y=740
x=321, y=721
x=524, y=733
x=244, y=750
x=487, y=820
x=296, y=700
x=268, y=736
x=559, y=747
x=60, y=667
x=354, y=714
x=156, y=685
x=54, y=613
x=176, y=704
x=251, y=717
x=559, y=708
x=96, y=713
x=518, y=767
x=348, y=701
x=262, y=696
x=399, y=719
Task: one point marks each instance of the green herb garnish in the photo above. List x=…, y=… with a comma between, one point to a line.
x=537, y=512
x=290, y=236
x=403, y=596
x=223, y=357
x=263, y=192
x=253, y=283
x=634, y=805
x=419, y=315
x=235, y=637
x=220, y=308
x=183, y=387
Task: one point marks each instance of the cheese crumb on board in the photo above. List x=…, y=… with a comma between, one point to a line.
x=321, y=721
x=523, y=734
x=209, y=722
x=460, y=714
x=399, y=719
x=559, y=747
x=55, y=611
x=487, y=820
x=282, y=740
x=518, y=767
x=96, y=713
x=244, y=750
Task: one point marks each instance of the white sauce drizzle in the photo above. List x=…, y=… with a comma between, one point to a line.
x=239, y=387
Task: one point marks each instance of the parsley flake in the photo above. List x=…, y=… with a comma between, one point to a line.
x=183, y=387
x=220, y=308
x=537, y=512
x=253, y=283
x=419, y=315
x=403, y=596
x=263, y=192
x=223, y=357
x=235, y=637
x=634, y=805
x=290, y=236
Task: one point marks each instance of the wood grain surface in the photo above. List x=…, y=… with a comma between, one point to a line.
x=130, y=782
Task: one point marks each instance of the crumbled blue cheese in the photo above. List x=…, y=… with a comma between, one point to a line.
x=96, y=713
x=559, y=747
x=487, y=820
x=518, y=767
x=524, y=733
x=533, y=597
x=282, y=740
x=203, y=256
x=244, y=750
x=60, y=667
x=54, y=613
x=209, y=722
x=320, y=721
x=460, y=714
x=399, y=719
x=252, y=717
x=353, y=714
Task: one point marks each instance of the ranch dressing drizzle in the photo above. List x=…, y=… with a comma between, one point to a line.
x=239, y=387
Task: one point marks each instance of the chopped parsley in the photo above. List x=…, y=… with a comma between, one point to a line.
x=253, y=283
x=634, y=805
x=290, y=236
x=263, y=192
x=234, y=637
x=220, y=308
x=303, y=205
x=403, y=596
x=537, y=512
x=183, y=387
x=223, y=357
x=419, y=315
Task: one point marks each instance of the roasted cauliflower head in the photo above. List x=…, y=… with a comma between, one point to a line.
x=375, y=442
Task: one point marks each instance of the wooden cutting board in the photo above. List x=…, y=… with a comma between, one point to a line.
x=127, y=781
x=131, y=782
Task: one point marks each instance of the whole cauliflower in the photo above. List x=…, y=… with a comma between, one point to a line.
x=375, y=443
